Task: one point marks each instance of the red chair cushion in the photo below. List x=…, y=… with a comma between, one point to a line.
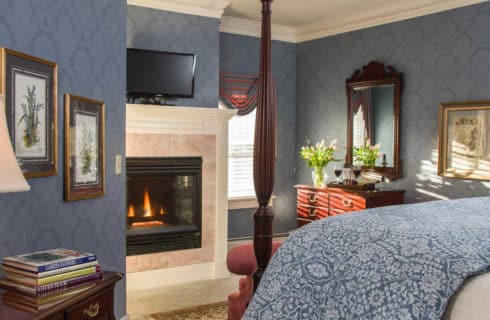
x=241, y=260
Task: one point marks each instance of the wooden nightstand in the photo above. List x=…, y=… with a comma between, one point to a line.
x=317, y=203
x=95, y=303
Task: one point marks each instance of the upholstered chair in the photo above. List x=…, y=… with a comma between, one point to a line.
x=241, y=260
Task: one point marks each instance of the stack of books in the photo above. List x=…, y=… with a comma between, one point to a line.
x=41, y=279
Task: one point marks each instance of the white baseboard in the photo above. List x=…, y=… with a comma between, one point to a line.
x=152, y=279
x=126, y=317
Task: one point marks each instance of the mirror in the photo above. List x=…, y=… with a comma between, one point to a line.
x=373, y=103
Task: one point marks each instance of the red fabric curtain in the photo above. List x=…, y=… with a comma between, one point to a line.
x=362, y=98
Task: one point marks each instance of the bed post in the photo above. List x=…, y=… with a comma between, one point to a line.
x=264, y=150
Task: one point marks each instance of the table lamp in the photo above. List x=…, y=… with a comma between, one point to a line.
x=11, y=178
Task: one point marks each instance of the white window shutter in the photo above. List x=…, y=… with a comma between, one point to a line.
x=240, y=156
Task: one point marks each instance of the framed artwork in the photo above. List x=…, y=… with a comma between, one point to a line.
x=84, y=148
x=31, y=93
x=464, y=140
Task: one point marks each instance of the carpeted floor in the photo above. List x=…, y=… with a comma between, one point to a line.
x=214, y=311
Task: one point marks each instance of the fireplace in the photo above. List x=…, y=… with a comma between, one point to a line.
x=163, y=204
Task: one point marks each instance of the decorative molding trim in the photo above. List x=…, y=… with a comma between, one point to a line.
x=252, y=29
x=206, y=8
x=326, y=28
x=151, y=279
x=246, y=202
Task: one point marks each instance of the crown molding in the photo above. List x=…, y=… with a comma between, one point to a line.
x=206, y=8
x=326, y=28
x=253, y=28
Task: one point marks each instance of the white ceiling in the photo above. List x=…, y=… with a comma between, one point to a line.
x=294, y=13
x=303, y=20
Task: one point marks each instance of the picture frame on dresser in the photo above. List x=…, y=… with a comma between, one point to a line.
x=464, y=140
x=30, y=85
x=84, y=148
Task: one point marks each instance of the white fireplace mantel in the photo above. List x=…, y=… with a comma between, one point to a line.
x=176, y=119
x=180, y=120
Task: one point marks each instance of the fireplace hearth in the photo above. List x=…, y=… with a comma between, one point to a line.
x=163, y=204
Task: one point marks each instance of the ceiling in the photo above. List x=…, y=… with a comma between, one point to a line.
x=294, y=13
x=302, y=20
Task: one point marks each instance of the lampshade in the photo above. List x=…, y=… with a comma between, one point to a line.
x=11, y=178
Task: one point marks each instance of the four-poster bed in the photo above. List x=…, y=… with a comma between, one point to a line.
x=264, y=149
x=399, y=262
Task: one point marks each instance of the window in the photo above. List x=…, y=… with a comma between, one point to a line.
x=359, y=130
x=241, y=132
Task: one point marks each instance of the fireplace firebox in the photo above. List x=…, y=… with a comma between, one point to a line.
x=164, y=204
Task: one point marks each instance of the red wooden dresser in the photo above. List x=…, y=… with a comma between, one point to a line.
x=317, y=203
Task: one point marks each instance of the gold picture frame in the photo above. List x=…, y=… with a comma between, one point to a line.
x=464, y=140
x=30, y=85
x=84, y=148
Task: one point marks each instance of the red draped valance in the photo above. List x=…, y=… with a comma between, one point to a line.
x=239, y=91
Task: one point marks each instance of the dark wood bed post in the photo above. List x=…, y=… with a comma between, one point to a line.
x=264, y=150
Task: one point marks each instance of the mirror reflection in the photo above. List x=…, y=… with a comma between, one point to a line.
x=373, y=121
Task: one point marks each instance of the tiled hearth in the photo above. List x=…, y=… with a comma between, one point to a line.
x=162, y=131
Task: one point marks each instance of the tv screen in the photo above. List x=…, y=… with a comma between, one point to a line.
x=168, y=74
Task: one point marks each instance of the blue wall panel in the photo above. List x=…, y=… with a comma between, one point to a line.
x=241, y=54
x=443, y=57
x=176, y=32
x=87, y=39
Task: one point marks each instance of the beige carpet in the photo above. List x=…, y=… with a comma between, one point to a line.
x=214, y=311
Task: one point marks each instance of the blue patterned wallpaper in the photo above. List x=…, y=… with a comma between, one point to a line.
x=443, y=57
x=87, y=39
x=169, y=31
x=241, y=54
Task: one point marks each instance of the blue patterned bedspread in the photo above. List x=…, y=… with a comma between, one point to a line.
x=400, y=262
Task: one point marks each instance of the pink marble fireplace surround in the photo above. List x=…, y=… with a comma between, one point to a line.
x=162, y=131
x=175, y=145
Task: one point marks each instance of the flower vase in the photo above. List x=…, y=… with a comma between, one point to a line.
x=370, y=163
x=318, y=176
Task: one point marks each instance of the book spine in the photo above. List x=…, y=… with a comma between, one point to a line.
x=67, y=269
x=64, y=264
x=65, y=283
x=68, y=275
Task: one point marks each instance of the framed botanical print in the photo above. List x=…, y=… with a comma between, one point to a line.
x=84, y=148
x=464, y=140
x=30, y=87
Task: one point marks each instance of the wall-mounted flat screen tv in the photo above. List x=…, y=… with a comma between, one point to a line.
x=158, y=73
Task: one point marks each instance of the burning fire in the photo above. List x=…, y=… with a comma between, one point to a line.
x=147, y=213
x=131, y=211
x=147, y=205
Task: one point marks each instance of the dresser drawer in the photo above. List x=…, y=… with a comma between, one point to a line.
x=313, y=198
x=97, y=308
x=340, y=203
x=311, y=213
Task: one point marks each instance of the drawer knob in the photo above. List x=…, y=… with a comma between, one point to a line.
x=311, y=212
x=312, y=198
x=348, y=203
x=92, y=311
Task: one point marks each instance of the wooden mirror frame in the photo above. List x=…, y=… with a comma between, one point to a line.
x=375, y=74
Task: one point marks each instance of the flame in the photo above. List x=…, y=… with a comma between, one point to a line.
x=162, y=211
x=147, y=205
x=131, y=210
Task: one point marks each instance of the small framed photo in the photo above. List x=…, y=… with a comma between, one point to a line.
x=30, y=87
x=464, y=140
x=84, y=148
